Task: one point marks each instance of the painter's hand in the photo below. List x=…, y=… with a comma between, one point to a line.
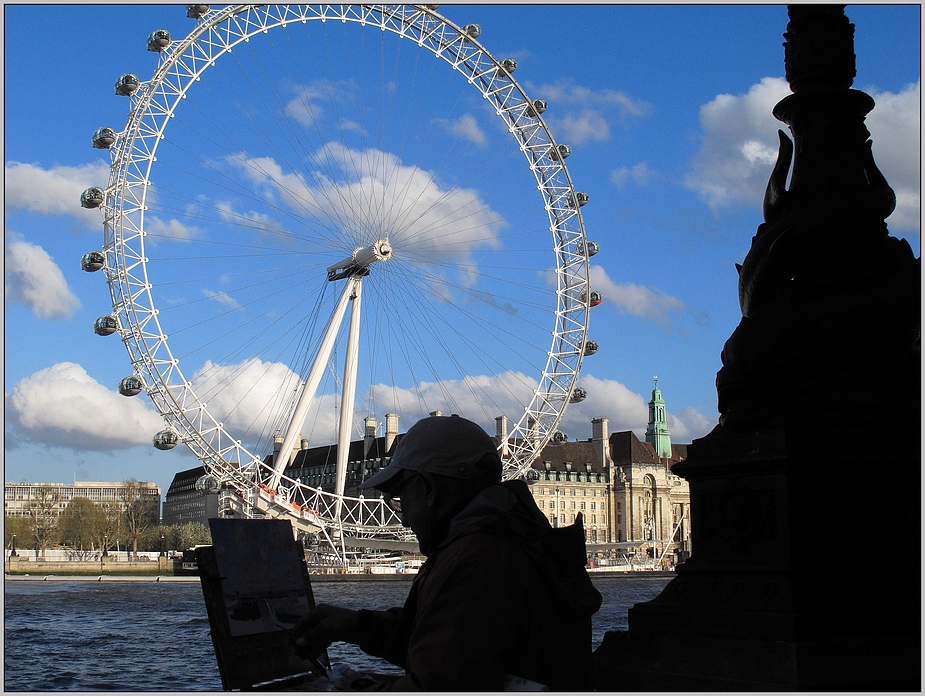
x=322, y=626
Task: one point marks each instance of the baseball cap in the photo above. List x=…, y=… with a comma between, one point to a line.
x=445, y=445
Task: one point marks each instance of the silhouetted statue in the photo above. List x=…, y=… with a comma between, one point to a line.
x=830, y=302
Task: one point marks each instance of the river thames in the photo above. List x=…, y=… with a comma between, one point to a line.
x=154, y=636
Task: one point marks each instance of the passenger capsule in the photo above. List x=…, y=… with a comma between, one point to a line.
x=103, y=138
x=92, y=197
x=207, y=483
x=167, y=440
x=131, y=385
x=159, y=40
x=591, y=347
x=578, y=199
x=559, y=436
x=432, y=8
x=105, y=325
x=596, y=298
x=196, y=11
x=578, y=395
x=126, y=84
x=509, y=65
x=560, y=152
x=537, y=107
x=93, y=261
x=472, y=31
x=591, y=247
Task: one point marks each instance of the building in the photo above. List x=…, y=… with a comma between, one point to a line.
x=649, y=502
x=571, y=479
x=20, y=498
x=185, y=502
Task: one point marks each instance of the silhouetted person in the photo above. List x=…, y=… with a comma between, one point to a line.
x=501, y=594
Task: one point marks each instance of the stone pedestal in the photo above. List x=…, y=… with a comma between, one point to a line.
x=805, y=572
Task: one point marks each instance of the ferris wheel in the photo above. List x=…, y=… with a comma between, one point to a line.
x=321, y=217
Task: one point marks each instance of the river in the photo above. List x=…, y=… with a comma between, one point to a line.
x=152, y=636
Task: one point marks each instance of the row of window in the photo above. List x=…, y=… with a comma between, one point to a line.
x=586, y=492
x=571, y=520
x=562, y=504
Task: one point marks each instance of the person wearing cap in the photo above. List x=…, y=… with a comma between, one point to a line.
x=503, y=598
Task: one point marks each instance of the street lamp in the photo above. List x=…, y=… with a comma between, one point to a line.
x=13, y=553
x=163, y=552
x=106, y=545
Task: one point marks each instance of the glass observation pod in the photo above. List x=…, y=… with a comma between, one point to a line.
x=579, y=199
x=596, y=298
x=92, y=197
x=105, y=325
x=591, y=347
x=559, y=436
x=538, y=107
x=92, y=261
x=591, y=247
x=432, y=8
x=131, y=385
x=560, y=152
x=167, y=440
x=159, y=40
x=473, y=31
x=578, y=394
x=126, y=84
x=509, y=65
x=196, y=11
x=103, y=138
x=206, y=483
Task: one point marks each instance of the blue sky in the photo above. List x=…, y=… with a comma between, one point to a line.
x=667, y=110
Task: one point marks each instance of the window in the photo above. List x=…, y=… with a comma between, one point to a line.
x=583, y=505
x=573, y=505
x=541, y=505
x=619, y=519
x=593, y=506
x=593, y=519
x=619, y=506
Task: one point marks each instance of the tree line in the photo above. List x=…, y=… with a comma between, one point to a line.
x=131, y=524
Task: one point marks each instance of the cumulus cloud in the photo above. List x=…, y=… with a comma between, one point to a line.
x=740, y=144
x=170, y=229
x=465, y=128
x=639, y=174
x=583, y=115
x=894, y=127
x=34, y=280
x=626, y=410
x=53, y=191
x=383, y=198
x=62, y=406
x=648, y=304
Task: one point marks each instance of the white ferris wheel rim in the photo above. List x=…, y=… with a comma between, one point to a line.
x=134, y=154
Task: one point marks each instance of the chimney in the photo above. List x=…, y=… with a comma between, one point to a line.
x=436, y=413
x=501, y=434
x=370, y=435
x=391, y=430
x=600, y=436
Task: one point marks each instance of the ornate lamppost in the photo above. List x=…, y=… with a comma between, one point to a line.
x=13, y=553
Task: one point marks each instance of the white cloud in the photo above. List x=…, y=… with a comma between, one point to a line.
x=649, y=304
x=465, y=127
x=53, y=191
x=639, y=174
x=626, y=410
x=740, y=145
x=383, y=198
x=33, y=279
x=579, y=115
x=895, y=129
x=62, y=406
x=171, y=229
x=222, y=298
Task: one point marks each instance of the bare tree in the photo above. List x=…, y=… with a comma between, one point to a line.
x=43, y=523
x=139, y=510
x=80, y=523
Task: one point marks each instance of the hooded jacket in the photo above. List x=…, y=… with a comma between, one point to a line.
x=503, y=594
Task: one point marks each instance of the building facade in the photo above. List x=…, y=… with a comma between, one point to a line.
x=185, y=502
x=20, y=498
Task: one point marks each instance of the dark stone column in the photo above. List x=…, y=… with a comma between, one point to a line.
x=805, y=500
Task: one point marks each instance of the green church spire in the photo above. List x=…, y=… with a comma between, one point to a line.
x=657, y=432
